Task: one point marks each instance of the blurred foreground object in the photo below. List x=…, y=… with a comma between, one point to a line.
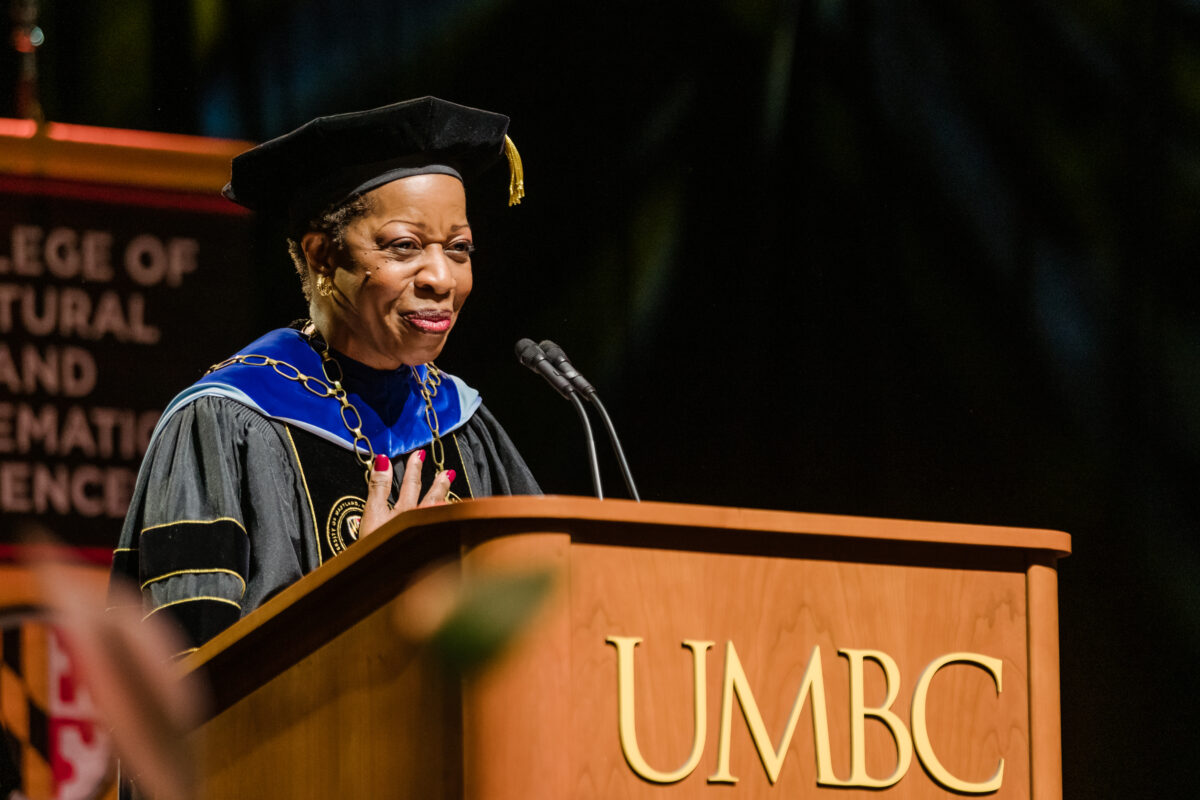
x=469, y=622
x=123, y=662
x=52, y=742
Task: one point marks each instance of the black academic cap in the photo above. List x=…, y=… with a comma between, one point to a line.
x=330, y=159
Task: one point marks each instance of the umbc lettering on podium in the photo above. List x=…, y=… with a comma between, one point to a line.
x=812, y=688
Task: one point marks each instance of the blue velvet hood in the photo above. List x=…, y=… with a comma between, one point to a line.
x=389, y=401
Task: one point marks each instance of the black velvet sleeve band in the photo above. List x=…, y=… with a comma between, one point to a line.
x=193, y=546
x=202, y=618
x=125, y=565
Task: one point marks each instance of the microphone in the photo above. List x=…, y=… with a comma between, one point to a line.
x=561, y=363
x=530, y=355
x=565, y=368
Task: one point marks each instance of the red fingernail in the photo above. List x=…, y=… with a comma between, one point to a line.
x=381, y=463
x=450, y=474
x=421, y=455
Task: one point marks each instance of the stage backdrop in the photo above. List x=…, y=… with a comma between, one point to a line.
x=121, y=270
x=123, y=275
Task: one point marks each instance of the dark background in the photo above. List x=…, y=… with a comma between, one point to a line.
x=907, y=259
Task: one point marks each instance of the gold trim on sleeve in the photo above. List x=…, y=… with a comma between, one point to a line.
x=241, y=580
x=233, y=603
x=196, y=522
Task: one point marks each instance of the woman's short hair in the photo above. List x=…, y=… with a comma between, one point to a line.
x=333, y=223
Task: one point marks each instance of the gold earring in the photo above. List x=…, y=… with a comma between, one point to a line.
x=324, y=286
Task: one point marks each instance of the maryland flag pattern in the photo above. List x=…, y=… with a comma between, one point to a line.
x=25, y=762
x=51, y=746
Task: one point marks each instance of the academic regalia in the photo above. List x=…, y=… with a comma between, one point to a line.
x=250, y=480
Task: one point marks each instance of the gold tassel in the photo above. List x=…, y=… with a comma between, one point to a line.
x=516, y=173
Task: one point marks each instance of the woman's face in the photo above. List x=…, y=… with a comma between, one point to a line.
x=403, y=273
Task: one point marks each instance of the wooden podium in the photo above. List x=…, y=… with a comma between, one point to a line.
x=686, y=651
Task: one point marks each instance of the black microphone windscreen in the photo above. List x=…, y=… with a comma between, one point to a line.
x=528, y=352
x=559, y=359
x=552, y=351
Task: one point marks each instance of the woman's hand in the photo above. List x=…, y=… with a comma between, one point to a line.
x=376, y=512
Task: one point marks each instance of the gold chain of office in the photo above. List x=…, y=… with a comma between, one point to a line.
x=350, y=416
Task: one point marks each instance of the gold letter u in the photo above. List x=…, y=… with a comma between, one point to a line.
x=627, y=726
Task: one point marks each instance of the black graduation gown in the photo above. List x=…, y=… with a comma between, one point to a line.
x=231, y=506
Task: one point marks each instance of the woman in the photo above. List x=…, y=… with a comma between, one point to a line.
x=283, y=454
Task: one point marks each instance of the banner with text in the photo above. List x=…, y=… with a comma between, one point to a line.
x=112, y=300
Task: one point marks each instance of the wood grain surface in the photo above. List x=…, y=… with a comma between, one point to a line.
x=343, y=706
x=775, y=611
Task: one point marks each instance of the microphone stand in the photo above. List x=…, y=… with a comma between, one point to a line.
x=616, y=444
x=563, y=365
x=529, y=354
x=593, y=461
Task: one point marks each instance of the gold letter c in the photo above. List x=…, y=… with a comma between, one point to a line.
x=920, y=732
